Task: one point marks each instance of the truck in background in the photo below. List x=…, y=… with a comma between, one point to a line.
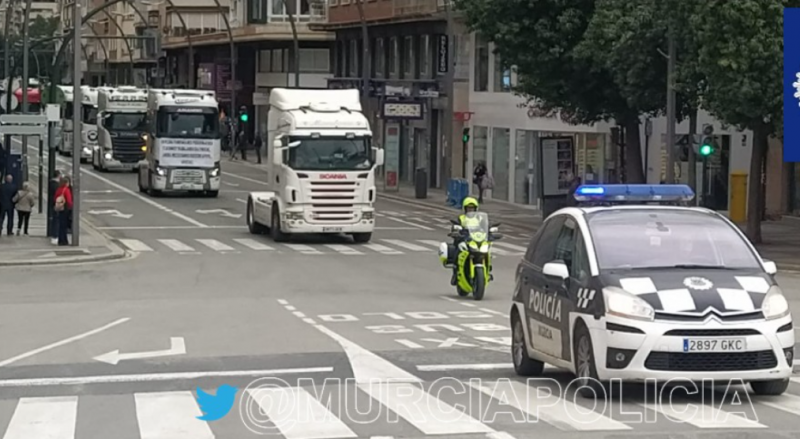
x=65, y=134
x=121, y=128
x=321, y=172
x=89, y=121
x=183, y=143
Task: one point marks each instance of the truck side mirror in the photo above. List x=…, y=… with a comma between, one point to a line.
x=277, y=155
x=379, y=158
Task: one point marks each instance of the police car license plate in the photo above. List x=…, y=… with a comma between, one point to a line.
x=714, y=344
x=332, y=229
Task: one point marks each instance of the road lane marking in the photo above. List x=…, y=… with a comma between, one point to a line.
x=283, y=302
x=53, y=417
x=215, y=245
x=251, y=180
x=299, y=314
x=135, y=245
x=491, y=311
x=167, y=227
x=517, y=248
x=170, y=415
x=176, y=245
x=418, y=226
x=136, y=195
x=406, y=245
x=556, y=411
x=155, y=377
x=409, y=343
x=298, y=415
x=304, y=249
x=430, y=242
x=343, y=249
x=241, y=201
x=63, y=342
x=451, y=367
x=701, y=415
x=253, y=244
x=382, y=249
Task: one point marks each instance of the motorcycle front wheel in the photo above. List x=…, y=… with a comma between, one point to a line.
x=479, y=283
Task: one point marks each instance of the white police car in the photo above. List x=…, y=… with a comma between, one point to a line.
x=633, y=285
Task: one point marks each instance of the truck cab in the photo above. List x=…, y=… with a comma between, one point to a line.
x=121, y=128
x=183, y=143
x=321, y=174
x=64, y=133
x=89, y=121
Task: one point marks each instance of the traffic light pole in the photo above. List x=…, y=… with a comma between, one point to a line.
x=670, y=177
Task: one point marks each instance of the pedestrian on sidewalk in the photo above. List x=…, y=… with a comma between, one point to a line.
x=24, y=202
x=574, y=184
x=53, y=186
x=7, y=192
x=258, y=143
x=63, y=208
x=480, y=176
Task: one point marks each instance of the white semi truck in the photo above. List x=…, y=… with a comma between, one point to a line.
x=321, y=172
x=89, y=121
x=183, y=143
x=65, y=135
x=121, y=128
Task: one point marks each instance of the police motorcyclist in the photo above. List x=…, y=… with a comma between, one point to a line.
x=469, y=205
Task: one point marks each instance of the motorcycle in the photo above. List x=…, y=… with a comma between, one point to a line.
x=472, y=255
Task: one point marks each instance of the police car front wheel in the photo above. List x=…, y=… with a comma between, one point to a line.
x=523, y=365
x=771, y=387
x=589, y=386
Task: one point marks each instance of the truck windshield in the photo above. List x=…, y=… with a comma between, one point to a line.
x=330, y=153
x=188, y=122
x=67, y=111
x=125, y=121
x=89, y=114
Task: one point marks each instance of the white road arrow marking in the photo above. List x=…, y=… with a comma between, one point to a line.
x=178, y=347
x=113, y=212
x=222, y=212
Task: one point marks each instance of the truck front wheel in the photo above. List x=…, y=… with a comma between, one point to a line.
x=362, y=238
x=254, y=227
x=275, y=227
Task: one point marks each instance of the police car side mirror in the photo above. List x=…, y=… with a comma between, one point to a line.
x=770, y=267
x=556, y=269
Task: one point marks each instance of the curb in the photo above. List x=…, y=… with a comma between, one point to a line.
x=412, y=202
x=117, y=252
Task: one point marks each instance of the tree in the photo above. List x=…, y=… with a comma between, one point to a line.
x=740, y=52
x=541, y=39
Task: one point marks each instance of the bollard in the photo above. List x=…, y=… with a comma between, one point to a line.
x=421, y=183
x=738, y=204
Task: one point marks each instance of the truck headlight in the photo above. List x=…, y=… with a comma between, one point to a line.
x=87, y=150
x=775, y=305
x=107, y=156
x=161, y=171
x=624, y=304
x=214, y=172
x=368, y=215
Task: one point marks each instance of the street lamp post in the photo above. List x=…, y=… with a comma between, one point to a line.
x=77, y=23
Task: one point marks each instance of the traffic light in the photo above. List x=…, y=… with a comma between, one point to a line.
x=706, y=147
x=465, y=135
x=243, y=117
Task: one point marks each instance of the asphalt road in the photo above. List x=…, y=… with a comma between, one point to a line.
x=203, y=303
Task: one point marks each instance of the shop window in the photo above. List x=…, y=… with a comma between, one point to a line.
x=481, y=64
x=501, y=139
x=379, y=54
x=278, y=61
x=524, y=165
x=394, y=58
x=315, y=60
x=352, y=70
x=425, y=57
x=264, y=61
x=479, y=145
x=408, y=58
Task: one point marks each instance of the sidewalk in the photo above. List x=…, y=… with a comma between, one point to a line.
x=781, y=242
x=37, y=248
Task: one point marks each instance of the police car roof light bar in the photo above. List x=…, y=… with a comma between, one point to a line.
x=606, y=194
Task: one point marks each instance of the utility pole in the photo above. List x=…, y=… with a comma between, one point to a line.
x=26, y=45
x=365, y=59
x=670, y=177
x=9, y=81
x=449, y=79
x=76, y=122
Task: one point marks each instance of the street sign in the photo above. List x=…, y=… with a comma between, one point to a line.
x=14, y=102
x=23, y=124
x=53, y=112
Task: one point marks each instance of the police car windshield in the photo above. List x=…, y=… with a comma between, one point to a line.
x=640, y=239
x=330, y=153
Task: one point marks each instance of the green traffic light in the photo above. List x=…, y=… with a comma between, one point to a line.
x=706, y=150
x=243, y=117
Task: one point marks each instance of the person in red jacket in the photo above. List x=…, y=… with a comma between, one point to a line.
x=63, y=207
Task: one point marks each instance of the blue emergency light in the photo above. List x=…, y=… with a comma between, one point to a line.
x=633, y=193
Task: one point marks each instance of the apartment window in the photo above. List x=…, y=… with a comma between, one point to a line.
x=333, y=2
x=277, y=7
x=394, y=58
x=425, y=58
x=352, y=70
x=315, y=60
x=380, y=58
x=481, y=64
x=264, y=61
x=502, y=76
x=256, y=11
x=408, y=58
x=340, y=59
x=278, y=60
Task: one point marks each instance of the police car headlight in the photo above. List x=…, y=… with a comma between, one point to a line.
x=485, y=247
x=775, y=305
x=623, y=304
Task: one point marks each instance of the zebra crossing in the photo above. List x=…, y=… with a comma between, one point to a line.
x=428, y=221
x=389, y=247
x=499, y=409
